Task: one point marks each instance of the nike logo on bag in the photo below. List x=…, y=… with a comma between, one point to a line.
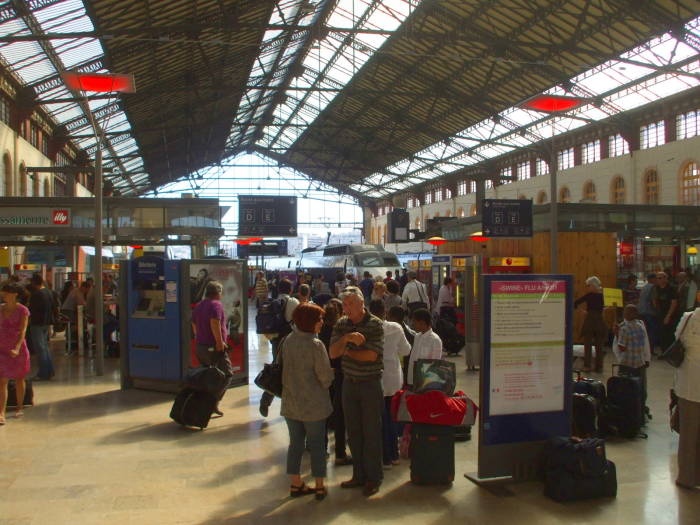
x=436, y=415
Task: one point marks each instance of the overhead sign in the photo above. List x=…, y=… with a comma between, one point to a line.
x=11, y=217
x=507, y=218
x=271, y=248
x=267, y=216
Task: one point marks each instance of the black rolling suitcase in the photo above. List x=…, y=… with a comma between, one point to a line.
x=623, y=411
x=432, y=454
x=589, y=387
x=206, y=379
x=193, y=408
x=584, y=416
x=12, y=395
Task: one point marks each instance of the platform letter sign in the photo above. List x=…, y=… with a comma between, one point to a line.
x=267, y=216
x=507, y=218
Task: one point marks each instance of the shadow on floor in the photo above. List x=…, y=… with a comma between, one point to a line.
x=91, y=406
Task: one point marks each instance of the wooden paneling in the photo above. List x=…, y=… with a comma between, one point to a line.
x=581, y=254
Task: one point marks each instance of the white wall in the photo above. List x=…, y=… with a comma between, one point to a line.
x=668, y=160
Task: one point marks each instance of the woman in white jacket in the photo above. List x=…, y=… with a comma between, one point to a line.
x=395, y=347
x=688, y=391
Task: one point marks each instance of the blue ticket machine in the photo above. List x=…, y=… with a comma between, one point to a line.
x=152, y=346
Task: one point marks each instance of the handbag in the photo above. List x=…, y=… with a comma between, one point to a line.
x=270, y=377
x=675, y=353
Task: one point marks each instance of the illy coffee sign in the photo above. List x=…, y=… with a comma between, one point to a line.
x=34, y=217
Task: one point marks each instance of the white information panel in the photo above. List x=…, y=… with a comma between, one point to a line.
x=528, y=346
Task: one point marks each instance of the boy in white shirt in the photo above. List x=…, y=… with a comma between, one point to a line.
x=427, y=344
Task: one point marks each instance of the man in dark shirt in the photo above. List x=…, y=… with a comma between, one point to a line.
x=41, y=307
x=358, y=338
x=367, y=285
x=665, y=300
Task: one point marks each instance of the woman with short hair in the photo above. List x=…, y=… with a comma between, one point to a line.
x=306, y=377
x=594, y=330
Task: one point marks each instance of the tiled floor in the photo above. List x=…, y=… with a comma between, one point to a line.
x=90, y=453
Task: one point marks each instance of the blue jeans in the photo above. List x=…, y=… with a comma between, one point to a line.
x=39, y=335
x=301, y=433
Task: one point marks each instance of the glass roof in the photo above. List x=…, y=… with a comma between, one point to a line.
x=659, y=68
x=329, y=63
x=30, y=63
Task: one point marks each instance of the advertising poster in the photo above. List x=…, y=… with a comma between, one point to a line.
x=230, y=275
x=528, y=346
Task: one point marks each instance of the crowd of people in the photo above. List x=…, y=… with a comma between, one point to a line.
x=663, y=311
x=29, y=315
x=347, y=350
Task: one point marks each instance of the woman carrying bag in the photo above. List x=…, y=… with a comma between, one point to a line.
x=306, y=377
x=688, y=391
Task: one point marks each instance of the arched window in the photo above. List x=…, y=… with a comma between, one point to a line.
x=617, y=191
x=417, y=223
x=47, y=187
x=690, y=185
x=472, y=210
x=425, y=220
x=7, y=168
x=448, y=213
x=23, y=181
x=460, y=212
x=541, y=197
x=36, y=185
x=589, y=193
x=651, y=187
x=564, y=195
x=384, y=235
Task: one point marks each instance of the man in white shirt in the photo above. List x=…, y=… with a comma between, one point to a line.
x=427, y=344
x=414, y=295
x=445, y=298
x=395, y=347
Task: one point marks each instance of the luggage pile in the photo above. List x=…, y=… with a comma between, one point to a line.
x=617, y=410
x=577, y=469
x=437, y=416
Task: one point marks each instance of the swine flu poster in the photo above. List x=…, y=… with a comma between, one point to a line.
x=528, y=346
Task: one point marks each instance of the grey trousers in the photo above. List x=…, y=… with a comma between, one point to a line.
x=363, y=404
x=689, y=443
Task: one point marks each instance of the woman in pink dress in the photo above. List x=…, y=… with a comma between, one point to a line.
x=14, y=355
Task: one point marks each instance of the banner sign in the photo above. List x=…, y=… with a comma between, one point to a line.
x=527, y=357
x=13, y=217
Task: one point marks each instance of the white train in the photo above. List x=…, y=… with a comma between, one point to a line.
x=348, y=258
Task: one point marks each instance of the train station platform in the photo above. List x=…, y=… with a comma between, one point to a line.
x=91, y=453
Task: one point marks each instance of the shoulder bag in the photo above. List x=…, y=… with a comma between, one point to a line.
x=412, y=307
x=675, y=353
x=270, y=377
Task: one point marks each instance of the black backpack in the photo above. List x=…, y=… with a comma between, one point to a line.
x=270, y=318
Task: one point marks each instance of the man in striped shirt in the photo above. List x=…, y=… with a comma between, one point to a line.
x=358, y=338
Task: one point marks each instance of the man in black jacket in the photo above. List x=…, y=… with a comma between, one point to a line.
x=41, y=307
